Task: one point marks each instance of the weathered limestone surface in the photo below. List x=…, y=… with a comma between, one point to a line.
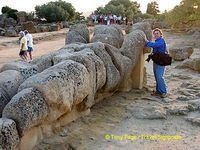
x=10, y=80
x=112, y=74
x=29, y=25
x=193, y=64
x=143, y=26
x=108, y=34
x=63, y=85
x=27, y=109
x=9, y=137
x=95, y=67
x=70, y=38
x=24, y=68
x=107, y=38
x=181, y=53
x=119, y=29
x=122, y=63
x=149, y=112
x=131, y=45
x=77, y=33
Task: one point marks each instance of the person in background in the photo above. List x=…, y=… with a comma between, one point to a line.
x=29, y=43
x=126, y=21
x=23, y=46
x=159, y=46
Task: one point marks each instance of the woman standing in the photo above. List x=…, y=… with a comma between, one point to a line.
x=159, y=46
x=23, y=46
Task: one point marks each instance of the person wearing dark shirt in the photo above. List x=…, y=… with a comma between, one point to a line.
x=159, y=46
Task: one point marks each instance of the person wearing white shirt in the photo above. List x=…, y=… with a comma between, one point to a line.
x=29, y=43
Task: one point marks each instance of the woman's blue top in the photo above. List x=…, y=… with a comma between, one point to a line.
x=159, y=46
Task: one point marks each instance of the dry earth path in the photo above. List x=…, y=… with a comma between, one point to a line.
x=43, y=43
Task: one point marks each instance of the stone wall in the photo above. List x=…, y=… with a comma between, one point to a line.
x=63, y=85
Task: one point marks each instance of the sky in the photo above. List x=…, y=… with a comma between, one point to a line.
x=83, y=5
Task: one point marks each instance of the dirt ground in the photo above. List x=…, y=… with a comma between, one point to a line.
x=133, y=120
x=43, y=43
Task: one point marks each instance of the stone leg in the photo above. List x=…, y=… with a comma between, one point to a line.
x=137, y=75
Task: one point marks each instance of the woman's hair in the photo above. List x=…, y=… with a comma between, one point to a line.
x=159, y=30
x=25, y=31
x=21, y=33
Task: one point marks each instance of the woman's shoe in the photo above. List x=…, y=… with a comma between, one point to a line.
x=155, y=93
x=163, y=95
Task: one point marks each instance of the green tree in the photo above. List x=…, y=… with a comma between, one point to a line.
x=152, y=8
x=132, y=10
x=125, y=3
x=30, y=16
x=79, y=16
x=120, y=7
x=56, y=11
x=5, y=9
x=12, y=13
x=115, y=9
x=67, y=7
x=187, y=13
x=100, y=10
x=9, y=12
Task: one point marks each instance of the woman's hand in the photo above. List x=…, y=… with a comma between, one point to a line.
x=145, y=38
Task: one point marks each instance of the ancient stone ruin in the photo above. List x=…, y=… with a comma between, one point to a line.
x=181, y=53
x=10, y=27
x=40, y=97
x=193, y=64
